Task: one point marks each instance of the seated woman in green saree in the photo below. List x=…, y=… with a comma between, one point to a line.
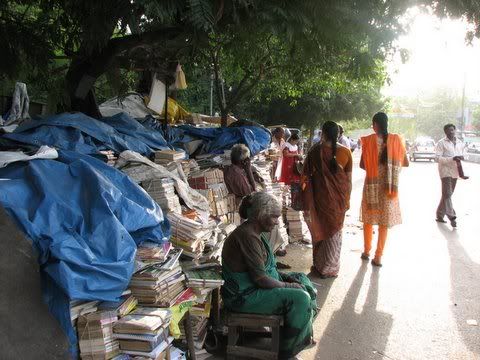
x=252, y=282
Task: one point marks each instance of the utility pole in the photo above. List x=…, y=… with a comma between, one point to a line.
x=462, y=121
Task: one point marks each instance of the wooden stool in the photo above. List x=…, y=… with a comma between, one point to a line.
x=237, y=321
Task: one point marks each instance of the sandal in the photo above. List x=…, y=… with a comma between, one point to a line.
x=375, y=263
x=365, y=256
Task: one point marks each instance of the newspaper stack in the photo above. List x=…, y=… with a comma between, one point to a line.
x=159, y=285
x=144, y=333
x=163, y=157
x=163, y=192
x=110, y=156
x=95, y=335
x=297, y=227
x=189, y=235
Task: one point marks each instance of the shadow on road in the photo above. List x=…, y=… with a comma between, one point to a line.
x=352, y=335
x=465, y=289
x=323, y=288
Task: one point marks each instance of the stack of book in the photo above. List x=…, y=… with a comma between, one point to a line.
x=80, y=307
x=144, y=333
x=189, y=235
x=121, y=308
x=159, y=285
x=214, y=246
x=202, y=179
x=163, y=192
x=199, y=329
x=163, y=157
x=150, y=252
x=95, y=335
x=297, y=227
x=199, y=315
x=110, y=156
x=218, y=198
x=203, y=280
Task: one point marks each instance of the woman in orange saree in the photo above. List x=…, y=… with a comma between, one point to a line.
x=383, y=156
x=327, y=183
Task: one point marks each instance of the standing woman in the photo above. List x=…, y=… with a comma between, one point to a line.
x=383, y=155
x=289, y=174
x=327, y=185
x=289, y=158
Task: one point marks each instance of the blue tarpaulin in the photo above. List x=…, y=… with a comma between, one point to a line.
x=127, y=125
x=85, y=220
x=219, y=139
x=81, y=133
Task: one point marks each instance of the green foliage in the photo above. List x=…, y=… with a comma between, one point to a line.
x=431, y=112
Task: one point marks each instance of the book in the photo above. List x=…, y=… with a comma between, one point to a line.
x=146, y=344
x=122, y=307
x=155, y=353
x=138, y=324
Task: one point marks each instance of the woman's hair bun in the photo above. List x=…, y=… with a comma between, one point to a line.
x=245, y=205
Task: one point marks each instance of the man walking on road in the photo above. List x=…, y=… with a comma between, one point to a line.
x=450, y=152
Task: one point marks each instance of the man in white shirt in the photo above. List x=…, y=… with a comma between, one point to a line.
x=342, y=139
x=450, y=151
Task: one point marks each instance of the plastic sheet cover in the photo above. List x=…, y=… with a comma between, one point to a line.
x=219, y=139
x=129, y=126
x=85, y=220
x=83, y=134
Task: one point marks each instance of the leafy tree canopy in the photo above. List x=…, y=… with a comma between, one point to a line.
x=289, y=47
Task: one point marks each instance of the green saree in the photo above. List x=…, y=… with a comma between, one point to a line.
x=299, y=307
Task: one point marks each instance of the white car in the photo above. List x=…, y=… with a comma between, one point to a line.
x=423, y=149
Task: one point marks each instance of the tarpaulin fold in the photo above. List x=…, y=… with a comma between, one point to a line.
x=83, y=134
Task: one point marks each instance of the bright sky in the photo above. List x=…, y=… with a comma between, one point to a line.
x=439, y=57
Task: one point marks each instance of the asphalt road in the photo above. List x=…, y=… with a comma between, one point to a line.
x=420, y=303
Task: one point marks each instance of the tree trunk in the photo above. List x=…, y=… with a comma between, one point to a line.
x=88, y=67
x=80, y=79
x=224, y=118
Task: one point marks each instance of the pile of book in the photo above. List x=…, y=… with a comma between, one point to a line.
x=203, y=279
x=122, y=307
x=163, y=157
x=159, y=285
x=80, y=307
x=219, y=199
x=189, y=234
x=202, y=179
x=144, y=333
x=214, y=246
x=199, y=330
x=199, y=314
x=163, y=192
x=297, y=227
x=95, y=335
x=110, y=155
x=152, y=252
